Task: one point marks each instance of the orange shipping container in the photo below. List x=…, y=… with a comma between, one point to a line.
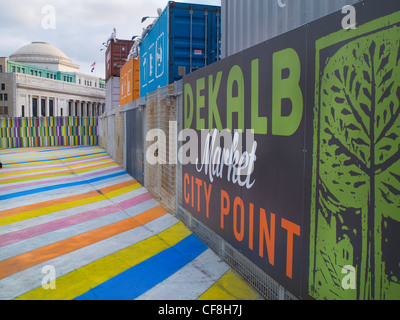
x=130, y=81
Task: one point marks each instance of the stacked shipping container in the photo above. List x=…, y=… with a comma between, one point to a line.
x=116, y=54
x=129, y=90
x=184, y=38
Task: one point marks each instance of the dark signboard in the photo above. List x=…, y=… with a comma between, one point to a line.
x=314, y=195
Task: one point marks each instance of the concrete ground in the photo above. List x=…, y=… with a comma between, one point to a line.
x=73, y=215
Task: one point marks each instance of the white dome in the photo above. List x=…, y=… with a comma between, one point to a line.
x=43, y=53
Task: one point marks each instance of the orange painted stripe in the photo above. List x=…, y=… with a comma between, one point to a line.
x=41, y=205
x=54, y=250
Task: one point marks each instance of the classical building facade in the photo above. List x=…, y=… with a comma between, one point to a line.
x=40, y=80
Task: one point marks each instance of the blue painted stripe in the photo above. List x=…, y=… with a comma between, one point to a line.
x=55, y=159
x=59, y=186
x=135, y=281
x=68, y=148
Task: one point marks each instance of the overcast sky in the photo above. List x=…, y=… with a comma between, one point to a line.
x=81, y=26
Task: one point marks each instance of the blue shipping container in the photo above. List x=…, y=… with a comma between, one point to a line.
x=184, y=38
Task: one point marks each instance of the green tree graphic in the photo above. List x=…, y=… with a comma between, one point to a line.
x=358, y=181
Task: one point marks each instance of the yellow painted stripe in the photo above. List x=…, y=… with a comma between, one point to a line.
x=79, y=281
x=39, y=162
x=48, y=203
x=65, y=173
x=231, y=286
x=53, y=169
x=67, y=205
x=24, y=156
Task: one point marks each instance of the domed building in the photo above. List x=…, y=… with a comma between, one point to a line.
x=44, y=55
x=40, y=80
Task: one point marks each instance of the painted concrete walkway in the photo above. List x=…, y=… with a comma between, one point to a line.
x=75, y=213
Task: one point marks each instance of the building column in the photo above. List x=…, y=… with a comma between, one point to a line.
x=39, y=107
x=28, y=108
x=47, y=107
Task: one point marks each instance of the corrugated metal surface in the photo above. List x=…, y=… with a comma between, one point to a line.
x=246, y=23
x=184, y=38
x=112, y=93
x=48, y=132
x=116, y=55
x=110, y=138
x=119, y=137
x=134, y=123
x=129, y=90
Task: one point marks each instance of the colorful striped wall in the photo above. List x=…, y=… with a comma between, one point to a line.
x=48, y=132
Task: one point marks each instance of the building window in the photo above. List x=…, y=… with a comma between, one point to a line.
x=5, y=97
x=1, y=97
x=23, y=111
x=18, y=69
x=13, y=69
x=43, y=108
x=23, y=70
x=34, y=107
x=51, y=108
x=1, y=68
x=3, y=86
